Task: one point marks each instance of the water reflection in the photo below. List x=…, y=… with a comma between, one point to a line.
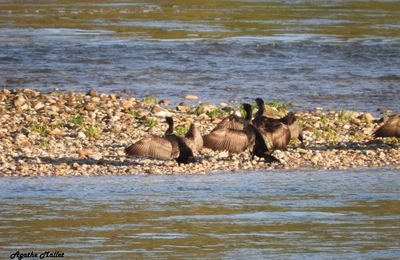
x=285, y=215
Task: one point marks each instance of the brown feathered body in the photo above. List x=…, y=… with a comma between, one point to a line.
x=236, y=135
x=391, y=128
x=277, y=132
x=276, y=135
x=168, y=147
x=194, y=139
x=231, y=140
x=232, y=134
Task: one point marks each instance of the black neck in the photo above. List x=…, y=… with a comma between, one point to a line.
x=261, y=109
x=170, y=129
x=248, y=114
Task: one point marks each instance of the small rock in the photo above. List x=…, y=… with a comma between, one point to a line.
x=19, y=101
x=127, y=105
x=25, y=131
x=56, y=132
x=314, y=160
x=202, y=117
x=83, y=153
x=205, y=107
x=81, y=135
x=121, y=152
x=165, y=102
x=183, y=109
x=20, y=138
x=193, y=97
x=39, y=105
x=90, y=107
x=95, y=100
x=62, y=166
x=95, y=156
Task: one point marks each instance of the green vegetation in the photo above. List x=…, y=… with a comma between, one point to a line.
x=182, y=130
x=318, y=133
x=278, y=105
x=92, y=131
x=150, y=122
x=344, y=116
x=331, y=135
x=392, y=140
x=215, y=113
x=76, y=120
x=227, y=109
x=199, y=111
x=241, y=110
x=38, y=128
x=134, y=113
x=44, y=144
x=324, y=118
x=151, y=100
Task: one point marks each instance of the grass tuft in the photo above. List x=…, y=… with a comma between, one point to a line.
x=199, y=111
x=92, y=131
x=215, y=113
x=151, y=100
x=150, y=122
x=44, y=144
x=181, y=130
x=343, y=116
x=38, y=128
x=76, y=120
x=278, y=105
x=134, y=113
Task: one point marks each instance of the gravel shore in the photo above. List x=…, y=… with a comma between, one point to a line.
x=66, y=133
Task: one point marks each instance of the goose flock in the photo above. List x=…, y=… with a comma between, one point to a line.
x=234, y=134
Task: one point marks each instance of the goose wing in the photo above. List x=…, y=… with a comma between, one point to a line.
x=231, y=122
x=275, y=134
x=151, y=146
x=233, y=141
x=194, y=139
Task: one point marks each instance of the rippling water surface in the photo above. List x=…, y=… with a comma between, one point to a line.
x=285, y=215
x=339, y=54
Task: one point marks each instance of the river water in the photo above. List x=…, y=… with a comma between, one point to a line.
x=336, y=54
x=284, y=215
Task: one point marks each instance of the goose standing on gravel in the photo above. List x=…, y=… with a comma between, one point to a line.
x=391, y=128
x=276, y=130
x=168, y=147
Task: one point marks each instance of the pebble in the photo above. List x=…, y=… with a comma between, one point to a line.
x=193, y=97
x=81, y=135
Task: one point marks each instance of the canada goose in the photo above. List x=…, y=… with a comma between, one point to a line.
x=272, y=124
x=168, y=147
x=235, y=135
x=391, y=128
x=194, y=139
x=276, y=134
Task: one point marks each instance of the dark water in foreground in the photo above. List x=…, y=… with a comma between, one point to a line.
x=285, y=215
x=337, y=54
